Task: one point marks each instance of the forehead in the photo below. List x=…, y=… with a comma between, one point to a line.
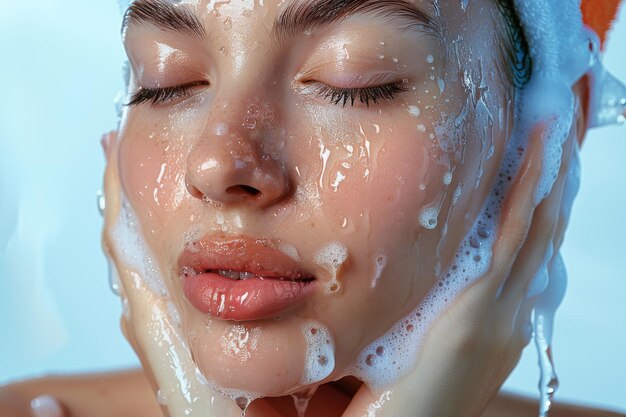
x=285, y=17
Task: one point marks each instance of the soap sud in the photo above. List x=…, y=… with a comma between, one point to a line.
x=320, y=353
x=134, y=251
x=428, y=217
x=456, y=195
x=414, y=111
x=221, y=129
x=332, y=257
x=174, y=314
x=380, y=263
x=290, y=251
x=161, y=397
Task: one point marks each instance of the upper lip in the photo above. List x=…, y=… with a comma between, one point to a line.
x=240, y=253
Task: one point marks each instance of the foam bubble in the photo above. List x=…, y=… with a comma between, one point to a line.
x=414, y=111
x=380, y=263
x=134, y=250
x=332, y=257
x=320, y=352
x=290, y=251
x=428, y=217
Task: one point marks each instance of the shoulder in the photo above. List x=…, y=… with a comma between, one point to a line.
x=118, y=394
x=517, y=406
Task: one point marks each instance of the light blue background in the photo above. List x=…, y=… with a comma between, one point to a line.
x=59, y=72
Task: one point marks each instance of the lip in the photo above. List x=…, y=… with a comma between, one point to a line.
x=279, y=285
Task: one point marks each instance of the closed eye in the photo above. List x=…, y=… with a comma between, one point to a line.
x=163, y=95
x=365, y=95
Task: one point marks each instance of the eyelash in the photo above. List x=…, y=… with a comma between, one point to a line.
x=365, y=95
x=335, y=95
x=162, y=95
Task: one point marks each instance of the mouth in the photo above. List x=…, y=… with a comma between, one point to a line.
x=242, y=278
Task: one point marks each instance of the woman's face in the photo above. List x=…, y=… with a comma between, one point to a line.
x=304, y=169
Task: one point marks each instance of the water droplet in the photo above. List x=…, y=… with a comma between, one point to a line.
x=483, y=231
x=442, y=85
x=249, y=122
x=414, y=111
x=370, y=359
x=322, y=360
x=410, y=328
x=380, y=350
x=243, y=403
x=301, y=400
x=253, y=110
x=161, y=397
x=101, y=200
x=430, y=59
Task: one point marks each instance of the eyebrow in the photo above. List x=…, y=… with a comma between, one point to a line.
x=302, y=16
x=165, y=15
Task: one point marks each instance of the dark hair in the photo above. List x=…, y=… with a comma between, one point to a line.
x=516, y=60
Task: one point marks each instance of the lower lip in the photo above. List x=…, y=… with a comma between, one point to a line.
x=240, y=300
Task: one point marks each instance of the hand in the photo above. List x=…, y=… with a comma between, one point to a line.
x=471, y=349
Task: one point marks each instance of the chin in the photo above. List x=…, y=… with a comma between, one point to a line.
x=269, y=358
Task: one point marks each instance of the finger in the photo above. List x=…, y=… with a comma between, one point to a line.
x=523, y=329
x=107, y=141
x=516, y=213
x=47, y=406
x=530, y=266
x=572, y=185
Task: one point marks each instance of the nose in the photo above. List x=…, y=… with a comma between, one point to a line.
x=229, y=167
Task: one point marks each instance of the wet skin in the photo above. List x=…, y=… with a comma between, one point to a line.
x=264, y=140
x=286, y=163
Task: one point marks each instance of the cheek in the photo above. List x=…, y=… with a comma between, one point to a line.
x=152, y=170
x=384, y=173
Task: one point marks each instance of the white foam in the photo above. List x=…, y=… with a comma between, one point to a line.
x=414, y=110
x=332, y=257
x=428, y=217
x=379, y=267
x=320, y=353
x=133, y=250
x=290, y=251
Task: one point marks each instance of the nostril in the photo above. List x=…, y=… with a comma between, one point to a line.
x=194, y=191
x=242, y=189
